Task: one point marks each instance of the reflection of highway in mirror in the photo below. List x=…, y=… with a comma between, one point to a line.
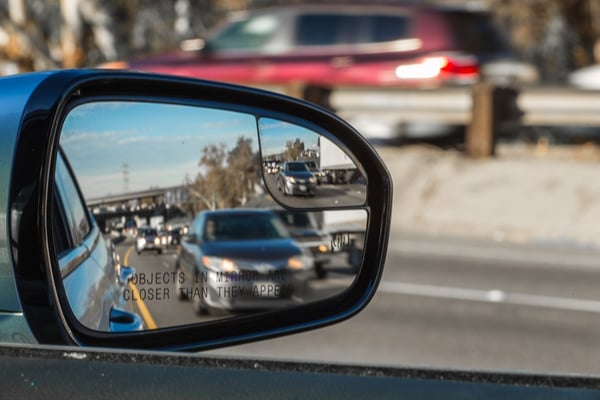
x=152, y=185
x=165, y=296
x=304, y=169
x=325, y=194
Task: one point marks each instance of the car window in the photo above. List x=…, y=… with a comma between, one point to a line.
x=59, y=227
x=75, y=212
x=229, y=227
x=385, y=28
x=196, y=228
x=295, y=219
x=326, y=29
x=247, y=34
x=296, y=167
x=147, y=231
x=338, y=29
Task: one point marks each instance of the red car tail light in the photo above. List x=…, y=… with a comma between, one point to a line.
x=442, y=67
x=427, y=68
x=468, y=66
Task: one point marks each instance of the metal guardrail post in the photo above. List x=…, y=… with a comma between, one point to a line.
x=295, y=89
x=315, y=94
x=479, y=140
x=493, y=108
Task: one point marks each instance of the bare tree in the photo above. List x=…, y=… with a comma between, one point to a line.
x=49, y=34
x=242, y=172
x=555, y=35
x=71, y=34
x=25, y=50
x=293, y=150
x=228, y=178
x=210, y=187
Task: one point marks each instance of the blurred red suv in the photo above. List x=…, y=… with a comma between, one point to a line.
x=321, y=46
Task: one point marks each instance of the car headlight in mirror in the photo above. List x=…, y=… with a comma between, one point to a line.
x=299, y=263
x=218, y=264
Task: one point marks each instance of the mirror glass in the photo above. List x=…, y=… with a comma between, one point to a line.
x=186, y=223
x=304, y=169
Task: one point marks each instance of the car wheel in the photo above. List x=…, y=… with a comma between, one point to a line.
x=198, y=299
x=354, y=257
x=320, y=271
x=319, y=95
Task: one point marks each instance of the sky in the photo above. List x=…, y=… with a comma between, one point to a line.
x=274, y=135
x=160, y=144
x=125, y=146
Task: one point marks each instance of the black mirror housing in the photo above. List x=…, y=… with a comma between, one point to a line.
x=41, y=290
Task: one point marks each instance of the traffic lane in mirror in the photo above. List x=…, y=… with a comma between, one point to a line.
x=239, y=259
x=294, y=178
x=229, y=275
x=304, y=169
x=151, y=173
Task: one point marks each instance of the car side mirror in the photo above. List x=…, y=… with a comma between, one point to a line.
x=281, y=252
x=126, y=274
x=190, y=238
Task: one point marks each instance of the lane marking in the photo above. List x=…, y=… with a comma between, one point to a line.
x=587, y=260
x=490, y=296
x=146, y=316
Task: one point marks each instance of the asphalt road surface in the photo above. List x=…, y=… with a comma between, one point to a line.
x=326, y=195
x=154, y=295
x=465, y=305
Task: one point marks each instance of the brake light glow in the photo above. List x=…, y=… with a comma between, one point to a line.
x=461, y=69
x=433, y=67
x=429, y=68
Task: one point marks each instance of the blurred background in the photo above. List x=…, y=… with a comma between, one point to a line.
x=487, y=114
x=556, y=36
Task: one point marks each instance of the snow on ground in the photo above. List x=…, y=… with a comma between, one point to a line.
x=527, y=194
